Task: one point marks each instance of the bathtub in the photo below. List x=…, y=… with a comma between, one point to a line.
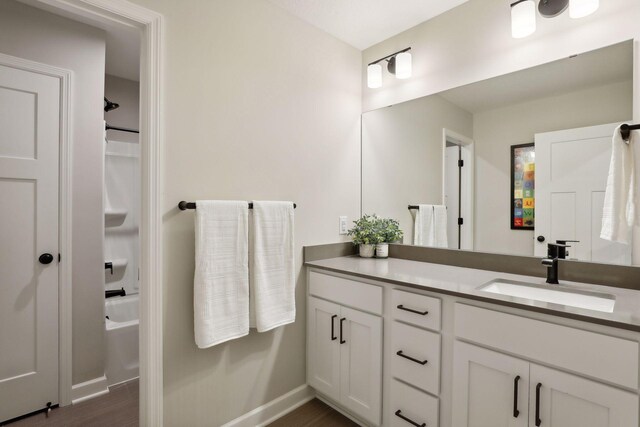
x=122, y=338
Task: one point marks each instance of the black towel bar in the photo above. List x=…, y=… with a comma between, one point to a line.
x=192, y=205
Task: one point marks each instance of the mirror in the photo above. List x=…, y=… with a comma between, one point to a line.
x=505, y=165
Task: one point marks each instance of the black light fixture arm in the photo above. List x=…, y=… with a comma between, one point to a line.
x=390, y=56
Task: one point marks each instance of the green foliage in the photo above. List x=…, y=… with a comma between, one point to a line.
x=371, y=230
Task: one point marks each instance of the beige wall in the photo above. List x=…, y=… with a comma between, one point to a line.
x=402, y=156
x=257, y=105
x=39, y=36
x=496, y=130
x=126, y=93
x=473, y=42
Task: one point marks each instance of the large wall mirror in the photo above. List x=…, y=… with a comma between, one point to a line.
x=505, y=165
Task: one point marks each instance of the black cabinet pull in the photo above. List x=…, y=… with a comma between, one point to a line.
x=333, y=332
x=421, y=313
x=538, y=420
x=420, y=362
x=341, y=322
x=409, y=420
x=515, y=397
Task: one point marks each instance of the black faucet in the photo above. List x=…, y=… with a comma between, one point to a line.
x=554, y=251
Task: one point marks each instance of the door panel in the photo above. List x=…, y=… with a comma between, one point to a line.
x=484, y=388
x=29, y=139
x=361, y=364
x=324, y=352
x=571, y=176
x=570, y=401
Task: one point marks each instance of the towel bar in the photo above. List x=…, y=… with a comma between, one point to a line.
x=192, y=205
x=625, y=130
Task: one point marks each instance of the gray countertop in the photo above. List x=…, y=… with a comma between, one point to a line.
x=464, y=282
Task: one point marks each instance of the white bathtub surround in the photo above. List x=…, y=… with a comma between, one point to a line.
x=272, y=276
x=619, y=212
x=122, y=216
x=122, y=361
x=221, y=282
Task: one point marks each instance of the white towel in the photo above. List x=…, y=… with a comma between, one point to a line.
x=272, y=270
x=221, y=282
x=618, y=214
x=430, y=226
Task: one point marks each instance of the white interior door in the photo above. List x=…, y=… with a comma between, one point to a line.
x=29, y=143
x=452, y=193
x=571, y=178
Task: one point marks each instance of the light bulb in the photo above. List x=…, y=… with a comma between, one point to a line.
x=582, y=8
x=403, y=65
x=374, y=76
x=523, y=18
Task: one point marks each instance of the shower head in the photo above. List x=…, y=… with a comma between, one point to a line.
x=109, y=106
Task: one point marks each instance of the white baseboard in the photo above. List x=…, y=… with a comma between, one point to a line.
x=89, y=389
x=275, y=409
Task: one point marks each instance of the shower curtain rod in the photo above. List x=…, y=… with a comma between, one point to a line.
x=109, y=127
x=192, y=205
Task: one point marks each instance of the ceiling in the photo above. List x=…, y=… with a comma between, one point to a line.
x=123, y=42
x=363, y=23
x=596, y=68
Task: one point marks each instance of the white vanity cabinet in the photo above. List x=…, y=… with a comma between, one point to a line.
x=344, y=360
x=493, y=389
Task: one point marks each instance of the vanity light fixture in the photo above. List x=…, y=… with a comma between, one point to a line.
x=398, y=63
x=523, y=13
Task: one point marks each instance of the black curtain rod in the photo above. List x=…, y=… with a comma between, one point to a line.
x=625, y=130
x=192, y=205
x=109, y=127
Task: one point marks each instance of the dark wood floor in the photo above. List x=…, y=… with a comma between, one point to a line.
x=314, y=414
x=117, y=408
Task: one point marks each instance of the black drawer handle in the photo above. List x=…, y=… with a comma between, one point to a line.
x=515, y=397
x=409, y=420
x=420, y=362
x=333, y=333
x=421, y=313
x=538, y=420
x=342, y=341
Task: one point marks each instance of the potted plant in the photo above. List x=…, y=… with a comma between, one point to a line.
x=366, y=234
x=390, y=231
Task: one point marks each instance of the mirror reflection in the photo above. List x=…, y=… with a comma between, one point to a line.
x=505, y=165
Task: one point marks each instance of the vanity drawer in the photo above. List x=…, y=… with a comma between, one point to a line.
x=416, y=309
x=417, y=407
x=592, y=354
x=419, y=360
x=362, y=296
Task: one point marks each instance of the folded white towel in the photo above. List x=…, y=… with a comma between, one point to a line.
x=272, y=270
x=618, y=214
x=221, y=282
x=430, y=226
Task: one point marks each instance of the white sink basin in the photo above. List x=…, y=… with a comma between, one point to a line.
x=552, y=294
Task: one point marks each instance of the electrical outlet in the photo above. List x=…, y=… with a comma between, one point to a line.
x=343, y=228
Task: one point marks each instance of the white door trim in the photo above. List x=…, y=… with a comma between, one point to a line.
x=64, y=239
x=467, y=206
x=150, y=24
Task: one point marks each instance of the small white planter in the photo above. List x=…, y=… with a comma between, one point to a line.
x=382, y=250
x=367, y=251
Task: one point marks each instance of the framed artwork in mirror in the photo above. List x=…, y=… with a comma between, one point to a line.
x=523, y=186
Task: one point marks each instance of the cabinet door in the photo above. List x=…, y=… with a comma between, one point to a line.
x=558, y=399
x=323, y=369
x=361, y=364
x=490, y=389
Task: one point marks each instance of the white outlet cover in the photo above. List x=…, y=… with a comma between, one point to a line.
x=342, y=228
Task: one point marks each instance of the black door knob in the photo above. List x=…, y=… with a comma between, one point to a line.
x=541, y=239
x=45, y=258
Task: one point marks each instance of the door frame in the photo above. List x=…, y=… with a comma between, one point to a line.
x=65, y=78
x=467, y=146
x=151, y=27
